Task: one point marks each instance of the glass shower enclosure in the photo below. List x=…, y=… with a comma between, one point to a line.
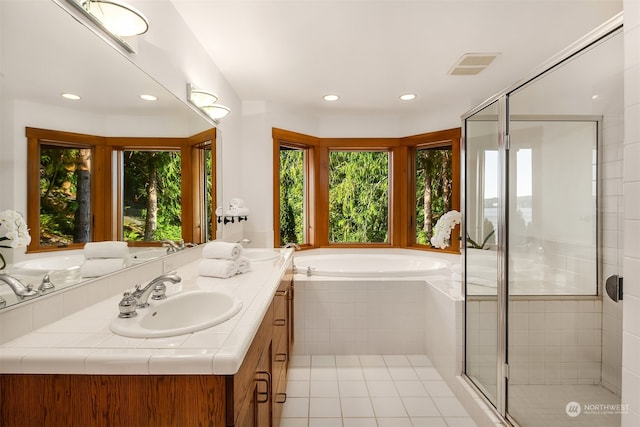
x=541, y=188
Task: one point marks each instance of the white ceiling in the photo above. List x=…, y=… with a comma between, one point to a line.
x=370, y=52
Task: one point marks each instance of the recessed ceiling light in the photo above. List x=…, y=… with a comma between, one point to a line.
x=70, y=96
x=594, y=97
x=408, y=97
x=331, y=97
x=149, y=97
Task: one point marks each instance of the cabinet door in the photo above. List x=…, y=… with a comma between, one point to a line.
x=264, y=391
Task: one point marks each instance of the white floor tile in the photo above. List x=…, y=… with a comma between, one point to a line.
x=323, y=373
x=429, y=422
x=396, y=360
x=324, y=407
x=372, y=360
x=350, y=373
x=325, y=422
x=460, y=422
x=323, y=360
x=360, y=422
x=450, y=407
x=299, y=373
x=297, y=388
x=420, y=407
x=347, y=360
x=296, y=407
x=323, y=389
x=386, y=407
x=294, y=422
x=300, y=361
x=418, y=360
x=376, y=374
x=382, y=389
x=428, y=373
x=394, y=422
x=353, y=389
x=403, y=373
x=411, y=389
x=356, y=407
x=438, y=389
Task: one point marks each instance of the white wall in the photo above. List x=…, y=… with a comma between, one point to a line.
x=631, y=191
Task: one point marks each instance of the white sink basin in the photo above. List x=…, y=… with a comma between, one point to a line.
x=261, y=254
x=48, y=264
x=179, y=314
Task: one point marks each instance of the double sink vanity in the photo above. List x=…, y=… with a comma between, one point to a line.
x=215, y=352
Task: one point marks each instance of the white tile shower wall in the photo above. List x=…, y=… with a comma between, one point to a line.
x=631, y=178
x=360, y=317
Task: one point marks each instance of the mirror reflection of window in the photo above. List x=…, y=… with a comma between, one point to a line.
x=65, y=195
x=151, y=195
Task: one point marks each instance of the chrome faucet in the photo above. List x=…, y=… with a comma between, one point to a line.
x=155, y=286
x=18, y=288
x=295, y=246
x=171, y=246
x=244, y=241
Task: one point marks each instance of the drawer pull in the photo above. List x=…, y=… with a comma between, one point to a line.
x=280, y=357
x=280, y=322
x=290, y=293
x=263, y=396
x=282, y=293
x=281, y=397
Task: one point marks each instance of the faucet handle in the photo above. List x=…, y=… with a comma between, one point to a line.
x=159, y=292
x=127, y=306
x=46, y=285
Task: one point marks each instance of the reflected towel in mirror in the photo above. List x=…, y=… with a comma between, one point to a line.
x=221, y=268
x=222, y=250
x=110, y=249
x=236, y=202
x=100, y=267
x=244, y=265
x=238, y=211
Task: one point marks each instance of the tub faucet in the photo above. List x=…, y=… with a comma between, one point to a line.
x=156, y=286
x=171, y=246
x=18, y=288
x=244, y=241
x=295, y=246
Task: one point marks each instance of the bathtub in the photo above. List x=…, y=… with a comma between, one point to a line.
x=371, y=264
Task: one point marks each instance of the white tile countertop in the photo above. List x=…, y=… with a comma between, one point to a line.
x=82, y=343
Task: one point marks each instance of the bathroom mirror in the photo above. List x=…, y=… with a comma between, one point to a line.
x=45, y=53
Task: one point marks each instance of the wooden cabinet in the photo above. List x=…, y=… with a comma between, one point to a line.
x=253, y=397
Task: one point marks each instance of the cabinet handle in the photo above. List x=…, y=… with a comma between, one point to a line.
x=263, y=396
x=280, y=357
x=281, y=397
x=282, y=293
x=290, y=293
x=280, y=322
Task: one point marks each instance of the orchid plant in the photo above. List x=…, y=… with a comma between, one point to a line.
x=442, y=231
x=13, y=232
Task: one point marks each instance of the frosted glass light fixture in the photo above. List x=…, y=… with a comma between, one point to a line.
x=331, y=97
x=118, y=17
x=206, y=102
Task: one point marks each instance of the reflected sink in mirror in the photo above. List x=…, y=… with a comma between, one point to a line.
x=261, y=254
x=46, y=265
x=179, y=314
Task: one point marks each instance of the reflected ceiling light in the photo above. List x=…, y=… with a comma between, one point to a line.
x=199, y=97
x=408, y=97
x=70, y=96
x=118, y=17
x=149, y=97
x=216, y=111
x=331, y=97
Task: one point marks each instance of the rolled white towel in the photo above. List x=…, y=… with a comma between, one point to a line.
x=110, y=249
x=244, y=265
x=236, y=203
x=219, y=211
x=238, y=211
x=221, y=268
x=101, y=266
x=222, y=250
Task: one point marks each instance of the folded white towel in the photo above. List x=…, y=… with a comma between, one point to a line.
x=221, y=268
x=219, y=211
x=110, y=249
x=236, y=203
x=101, y=266
x=222, y=250
x=238, y=211
x=244, y=265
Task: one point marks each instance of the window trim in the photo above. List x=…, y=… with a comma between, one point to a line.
x=402, y=206
x=105, y=211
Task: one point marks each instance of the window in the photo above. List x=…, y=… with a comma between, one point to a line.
x=65, y=195
x=85, y=188
x=292, y=196
x=151, y=195
x=364, y=191
x=433, y=189
x=358, y=197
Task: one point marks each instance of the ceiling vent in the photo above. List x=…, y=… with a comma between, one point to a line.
x=471, y=64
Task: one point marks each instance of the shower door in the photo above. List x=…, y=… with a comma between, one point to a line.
x=482, y=193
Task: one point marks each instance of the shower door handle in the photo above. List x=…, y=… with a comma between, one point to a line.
x=613, y=286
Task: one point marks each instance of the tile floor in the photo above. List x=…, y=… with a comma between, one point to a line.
x=369, y=391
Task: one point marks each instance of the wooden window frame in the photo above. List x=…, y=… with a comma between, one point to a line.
x=106, y=211
x=402, y=213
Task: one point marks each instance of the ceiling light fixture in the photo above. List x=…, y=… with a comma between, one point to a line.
x=408, y=97
x=149, y=97
x=331, y=98
x=206, y=102
x=71, y=96
x=118, y=17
